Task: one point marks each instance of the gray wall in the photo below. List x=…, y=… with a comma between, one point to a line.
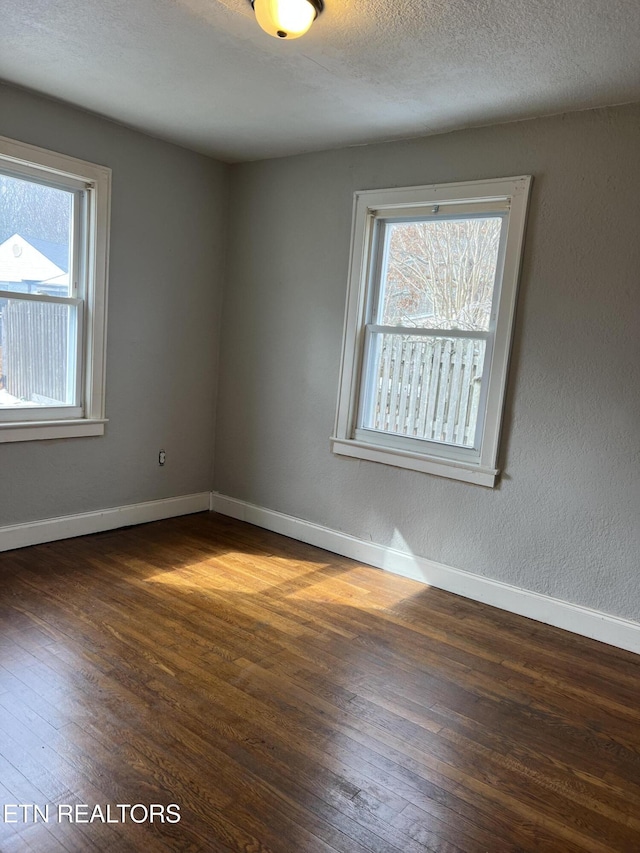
x=167, y=247
x=564, y=520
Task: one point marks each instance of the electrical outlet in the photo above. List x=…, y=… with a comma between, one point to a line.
x=162, y=457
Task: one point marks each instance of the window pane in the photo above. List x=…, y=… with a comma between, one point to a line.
x=426, y=388
x=37, y=357
x=440, y=274
x=35, y=237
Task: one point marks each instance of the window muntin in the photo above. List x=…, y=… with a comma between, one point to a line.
x=428, y=325
x=53, y=264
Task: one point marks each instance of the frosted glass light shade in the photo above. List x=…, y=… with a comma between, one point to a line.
x=288, y=19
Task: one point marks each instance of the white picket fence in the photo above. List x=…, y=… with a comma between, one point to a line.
x=428, y=388
x=34, y=349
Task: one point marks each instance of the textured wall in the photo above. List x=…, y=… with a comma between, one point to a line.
x=167, y=245
x=564, y=520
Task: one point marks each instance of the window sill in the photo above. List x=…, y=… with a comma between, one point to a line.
x=38, y=430
x=466, y=472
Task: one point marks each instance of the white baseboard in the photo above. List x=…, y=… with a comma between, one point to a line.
x=622, y=633
x=51, y=529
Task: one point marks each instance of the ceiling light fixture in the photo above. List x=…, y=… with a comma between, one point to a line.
x=286, y=19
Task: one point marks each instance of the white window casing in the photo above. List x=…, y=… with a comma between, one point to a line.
x=475, y=459
x=90, y=185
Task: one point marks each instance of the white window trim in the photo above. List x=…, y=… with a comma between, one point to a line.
x=31, y=161
x=370, y=204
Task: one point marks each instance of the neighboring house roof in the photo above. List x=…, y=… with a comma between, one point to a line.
x=21, y=260
x=58, y=253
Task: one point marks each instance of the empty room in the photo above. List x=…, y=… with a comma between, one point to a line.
x=319, y=426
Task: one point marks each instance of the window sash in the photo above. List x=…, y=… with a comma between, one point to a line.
x=436, y=210
x=380, y=247
x=423, y=447
x=42, y=175
x=429, y=332
x=40, y=297
x=408, y=399
x=19, y=414
x=78, y=189
x=74, y=364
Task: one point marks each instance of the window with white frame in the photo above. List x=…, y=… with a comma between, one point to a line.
x=54, y=218
x=430, y=309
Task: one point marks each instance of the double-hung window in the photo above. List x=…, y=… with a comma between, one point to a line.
x=430, y=309
x=54, y=213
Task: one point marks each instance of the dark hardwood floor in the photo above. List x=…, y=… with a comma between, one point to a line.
x=293, y=701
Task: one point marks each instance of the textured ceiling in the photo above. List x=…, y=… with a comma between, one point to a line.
x=202, y=74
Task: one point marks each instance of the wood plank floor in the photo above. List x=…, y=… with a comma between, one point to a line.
x=293, y=701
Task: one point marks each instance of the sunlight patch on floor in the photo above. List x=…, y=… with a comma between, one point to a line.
x=351, y=587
